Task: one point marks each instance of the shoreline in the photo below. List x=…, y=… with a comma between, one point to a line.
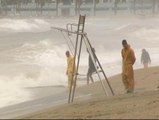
x=146, y=91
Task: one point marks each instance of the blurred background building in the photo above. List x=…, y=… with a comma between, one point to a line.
x=76, y=7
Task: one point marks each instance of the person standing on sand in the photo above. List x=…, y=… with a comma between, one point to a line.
x=91, y=67
x=145, y=58
x=70, y=69
x=128, y=60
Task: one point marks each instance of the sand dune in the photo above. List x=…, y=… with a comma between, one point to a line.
x=143, y=103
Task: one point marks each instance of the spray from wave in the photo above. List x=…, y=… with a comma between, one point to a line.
x=33, y=55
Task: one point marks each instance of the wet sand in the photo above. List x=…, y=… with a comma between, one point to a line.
x=143, y=103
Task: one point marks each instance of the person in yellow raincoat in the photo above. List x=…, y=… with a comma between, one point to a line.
x=70, y=69
x=128, y=60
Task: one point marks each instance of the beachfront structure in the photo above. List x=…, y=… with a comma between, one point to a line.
x=76, y=7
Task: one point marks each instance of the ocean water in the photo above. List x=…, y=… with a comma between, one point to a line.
x=33, y=55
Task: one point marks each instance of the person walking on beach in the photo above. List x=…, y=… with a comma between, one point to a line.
x=91, y=67
x=70, y=69
x=145, y=58
x=128, y=60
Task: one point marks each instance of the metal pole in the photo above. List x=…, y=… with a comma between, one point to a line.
x=75, y=54
x=115, y=6
x=83, y=23
x=101, y=68
x=57, y=4
x=94, y=7
x=77, y=70
x=92, y=54
x=68, y=43
x=76, y=2
x=134, y=6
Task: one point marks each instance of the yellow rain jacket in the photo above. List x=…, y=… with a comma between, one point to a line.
x=70, y=63
x=128, y=59
x=70, y=69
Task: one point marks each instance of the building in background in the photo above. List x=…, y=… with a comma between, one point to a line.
x=76, y=7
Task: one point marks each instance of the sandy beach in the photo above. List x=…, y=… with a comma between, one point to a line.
x=33, y=67
x=143, y=103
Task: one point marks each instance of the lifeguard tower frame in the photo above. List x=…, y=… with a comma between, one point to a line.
x=81, y=37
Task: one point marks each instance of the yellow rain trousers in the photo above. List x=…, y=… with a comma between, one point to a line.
x=70, y=69
x=128, y=59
